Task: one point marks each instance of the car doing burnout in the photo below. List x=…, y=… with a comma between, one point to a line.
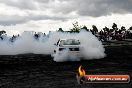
x=71, y=46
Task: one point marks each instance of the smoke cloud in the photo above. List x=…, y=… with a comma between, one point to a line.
x=91, y=48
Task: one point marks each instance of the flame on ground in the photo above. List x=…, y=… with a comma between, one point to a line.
x=81, y=71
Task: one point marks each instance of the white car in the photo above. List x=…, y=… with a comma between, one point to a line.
x=70, y=46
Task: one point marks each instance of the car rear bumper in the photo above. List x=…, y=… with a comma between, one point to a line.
x=74, y=53
x=69, y=54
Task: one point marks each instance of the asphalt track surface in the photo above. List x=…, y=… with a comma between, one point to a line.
x=40, y=71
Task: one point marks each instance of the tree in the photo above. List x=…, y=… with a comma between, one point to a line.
x=130, y=28
x=85, y=28
x=2, y=32
x=114, y=26
x=123, y=28
x=94, y=28
x=76, y=27
x=60, y=30
x=106, y=29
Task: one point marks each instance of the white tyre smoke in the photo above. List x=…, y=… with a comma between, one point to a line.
x=26, y=43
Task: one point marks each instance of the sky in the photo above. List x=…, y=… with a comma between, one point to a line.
x=17, y=16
